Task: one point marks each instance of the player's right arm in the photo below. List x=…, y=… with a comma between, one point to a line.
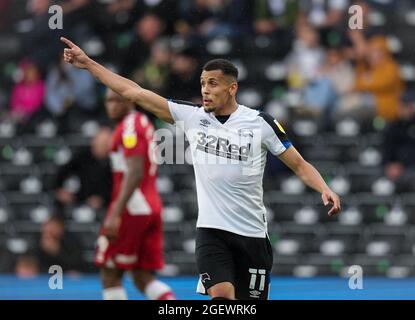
x=131, y=179
x=128, y=89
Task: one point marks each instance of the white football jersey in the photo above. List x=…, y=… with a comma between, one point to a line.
x=229, y=161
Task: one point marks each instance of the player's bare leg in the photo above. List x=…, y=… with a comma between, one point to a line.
x=112, y=283
x=222, y=290
x=152, y=288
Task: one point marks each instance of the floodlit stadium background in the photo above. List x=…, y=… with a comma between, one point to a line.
x=161, y=45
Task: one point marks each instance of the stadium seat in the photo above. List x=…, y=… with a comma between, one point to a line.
x=31, y=185
x=17, y=245
x=373, y=265
x=185, y=261
x=326, y=264
x=306, y=215
x=292, y=186
x=289, y=246
x=164, y=185
x=284, y=264
x=305, y=271
x=12, y=175
x=284, y=211
x=83, y=214
x=172, y=215
x=40, y=214
x=350, y=216
x=46, y=129
x=22, y=157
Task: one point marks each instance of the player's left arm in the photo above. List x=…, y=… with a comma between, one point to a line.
x=131, y=180
x=311, y=177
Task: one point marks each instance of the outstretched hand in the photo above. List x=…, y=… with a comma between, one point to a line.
x=329, y=197
x=74, y=55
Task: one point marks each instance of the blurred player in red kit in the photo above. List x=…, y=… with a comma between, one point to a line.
x=131, y=237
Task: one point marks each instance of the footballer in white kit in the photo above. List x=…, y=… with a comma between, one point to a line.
x=229, y=155
x=229, y=143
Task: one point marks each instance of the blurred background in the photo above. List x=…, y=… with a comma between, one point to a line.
x=345, y=97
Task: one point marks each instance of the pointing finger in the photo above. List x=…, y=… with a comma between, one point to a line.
x=69, y=43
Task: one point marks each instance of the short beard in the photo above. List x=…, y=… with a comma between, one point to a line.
x=209, y=110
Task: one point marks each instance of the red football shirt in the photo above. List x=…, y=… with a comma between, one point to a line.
x=134, y=137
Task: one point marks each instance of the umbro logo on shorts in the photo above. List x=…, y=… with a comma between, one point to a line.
x=254, y=293
x=204, y=277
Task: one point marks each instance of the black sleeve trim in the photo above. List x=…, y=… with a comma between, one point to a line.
x=268, y=119
x=186, y=103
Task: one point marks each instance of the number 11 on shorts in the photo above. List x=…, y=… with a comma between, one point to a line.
x=254, y=273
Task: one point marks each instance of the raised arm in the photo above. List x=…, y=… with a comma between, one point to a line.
x=311, y=177
x=128, y=89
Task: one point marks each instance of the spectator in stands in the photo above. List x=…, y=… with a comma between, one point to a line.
x=211, y=18
x=184, y=80
x=27, y=266
x=271, y=16
x=306, y=58
x=116, y=7
x=277, y=20
x=116, y=16
x=40, y=36
x=339, y=70
x=331, y=87
x=39, y=42
x=356, y=40
x=117, y=20
x=92, y=170
x=399, y=145
x=70, y=93
x=379, y=75
x=167, y=9
x=146, y=31
x=55, y=247
x=28, y=93
x=329, y=17
x=154, y=73
x=124, y=13
x=324, y=13
x=5, y=15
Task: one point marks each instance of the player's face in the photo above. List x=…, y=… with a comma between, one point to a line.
x=117, y=107
x=217, y=90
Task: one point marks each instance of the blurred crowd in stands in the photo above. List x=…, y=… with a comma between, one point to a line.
x=337, y=72
x=161, y=43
